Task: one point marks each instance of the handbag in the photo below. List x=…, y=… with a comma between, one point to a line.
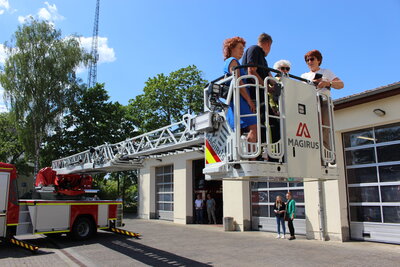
x=286, y=217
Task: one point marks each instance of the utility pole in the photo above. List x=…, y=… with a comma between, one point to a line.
x=92, y=77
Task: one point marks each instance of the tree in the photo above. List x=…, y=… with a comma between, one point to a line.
x=10, y=146
x=92, y=121
x=167, y=98
x=39, y=80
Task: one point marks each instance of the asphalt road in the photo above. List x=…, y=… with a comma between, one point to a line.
x=167, y=244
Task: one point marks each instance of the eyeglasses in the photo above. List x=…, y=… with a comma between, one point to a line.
x=310, y=59
x=285, y=68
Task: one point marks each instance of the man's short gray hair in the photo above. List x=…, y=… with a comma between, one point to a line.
x=282, y=62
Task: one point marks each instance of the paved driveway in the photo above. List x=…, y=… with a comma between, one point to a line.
x=167, y=244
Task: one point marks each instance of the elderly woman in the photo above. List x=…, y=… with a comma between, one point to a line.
x=283, y=65
x=233, y=49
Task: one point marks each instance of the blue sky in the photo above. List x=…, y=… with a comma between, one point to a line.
x=359, y=39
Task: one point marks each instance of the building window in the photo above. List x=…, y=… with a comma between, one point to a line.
x=165, y=188
x=372, y=162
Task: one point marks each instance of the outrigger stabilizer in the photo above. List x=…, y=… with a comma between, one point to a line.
x=23, y=244
x=123, y=232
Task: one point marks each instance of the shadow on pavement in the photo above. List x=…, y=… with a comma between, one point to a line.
x=125, y=245
x=149, y=255
x=8, y=250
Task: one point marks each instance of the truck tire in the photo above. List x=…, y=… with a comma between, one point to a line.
x=82, y=229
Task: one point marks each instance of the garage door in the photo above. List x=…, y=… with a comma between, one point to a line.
x=165, y=192
x=263, y=199
x=372, y=161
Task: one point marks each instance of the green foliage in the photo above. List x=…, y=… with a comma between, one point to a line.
x=39, y=80
x=92, y=121
x=10, y=146
x=119, y=185
x=167, y=98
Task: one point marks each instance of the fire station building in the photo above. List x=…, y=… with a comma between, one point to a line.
x=363, y=204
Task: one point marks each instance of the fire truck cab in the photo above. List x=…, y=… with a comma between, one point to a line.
x=303, y=149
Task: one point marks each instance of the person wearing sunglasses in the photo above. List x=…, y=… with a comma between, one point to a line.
x=282, y=65
x=328, y=79
x=324, y=80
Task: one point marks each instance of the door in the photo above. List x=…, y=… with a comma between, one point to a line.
x=165, y=192
x=4, y=183
x=372, y=165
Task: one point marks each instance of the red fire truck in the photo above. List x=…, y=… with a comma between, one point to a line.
x=59, y=204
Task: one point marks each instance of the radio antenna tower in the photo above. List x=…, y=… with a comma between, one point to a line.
x=92, y=77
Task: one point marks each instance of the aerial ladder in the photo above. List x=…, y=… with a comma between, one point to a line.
x=304, y=151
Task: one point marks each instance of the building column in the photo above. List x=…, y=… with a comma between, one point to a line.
x=237, y=203
x=183, y=191
x=323, y=212
x=146, y=188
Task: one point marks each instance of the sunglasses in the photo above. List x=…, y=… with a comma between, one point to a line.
x=310, y=59
x=284, y=68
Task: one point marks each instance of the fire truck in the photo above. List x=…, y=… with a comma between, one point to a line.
x=59, y=205
x=301, y=149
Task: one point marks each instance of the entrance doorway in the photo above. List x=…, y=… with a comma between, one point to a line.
x=203, y=187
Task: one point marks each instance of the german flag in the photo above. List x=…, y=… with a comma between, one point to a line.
x=211, y=156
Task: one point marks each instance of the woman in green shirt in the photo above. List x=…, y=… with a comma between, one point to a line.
x=290, y=213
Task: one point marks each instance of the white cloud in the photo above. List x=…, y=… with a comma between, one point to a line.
x=3, y=107
x=106, y=53
x=49, y=13
x=3, y=54
x=4, y=5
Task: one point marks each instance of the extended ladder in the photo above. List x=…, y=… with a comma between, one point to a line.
x=129, y=154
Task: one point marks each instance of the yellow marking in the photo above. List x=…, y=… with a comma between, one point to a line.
x=4, y=168
x=103, y=227
x=12, y=224
x=61, y=231
x=209, y=157
x=112, y=219
x=26, y=204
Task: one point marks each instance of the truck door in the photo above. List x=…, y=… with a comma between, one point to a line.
x=4, y=183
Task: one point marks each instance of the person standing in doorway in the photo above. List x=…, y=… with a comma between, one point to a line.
x=279, y=209
x=211, y=209
x=198, y=205
x=290, y=214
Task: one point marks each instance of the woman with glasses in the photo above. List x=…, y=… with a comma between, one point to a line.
x=328, y=79
x=324, y=80
x=283, y=65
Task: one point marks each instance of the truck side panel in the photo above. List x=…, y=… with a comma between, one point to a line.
x=51, y=217
x=77, y=210
x=4, y=181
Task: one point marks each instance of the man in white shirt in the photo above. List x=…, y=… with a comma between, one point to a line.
x=198, y=205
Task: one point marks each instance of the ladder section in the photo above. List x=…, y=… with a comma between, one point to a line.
x=129, y=154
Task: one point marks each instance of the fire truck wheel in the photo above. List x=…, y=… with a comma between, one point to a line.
x=82, y=229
